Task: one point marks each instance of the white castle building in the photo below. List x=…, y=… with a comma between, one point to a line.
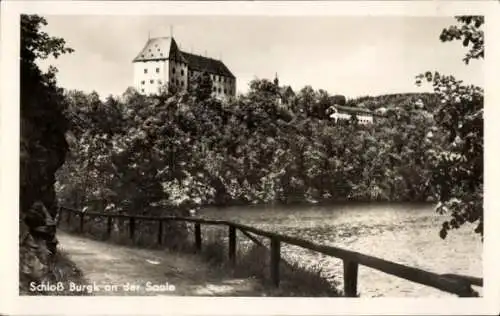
x=161, y=63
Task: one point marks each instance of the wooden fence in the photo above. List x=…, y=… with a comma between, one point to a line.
x=452, y=283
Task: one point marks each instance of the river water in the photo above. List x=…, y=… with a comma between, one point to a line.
x=403, y=233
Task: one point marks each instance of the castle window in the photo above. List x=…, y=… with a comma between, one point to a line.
x=142, y=82
x=151, y=81
x=157, y=70
x=145, y=71
x=173, y=70
x=182, y=72
x=214, y=89
x=225, y=91
x=142, y=90
x=159, y=81
x=219, y=90
x=182, y=83
x=178, y=82
x=161, y=54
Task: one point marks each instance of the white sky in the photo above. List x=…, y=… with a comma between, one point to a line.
x=353, y=56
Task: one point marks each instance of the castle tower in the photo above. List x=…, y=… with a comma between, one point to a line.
x=160, y=63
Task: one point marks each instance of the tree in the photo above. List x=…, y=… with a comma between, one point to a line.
x=338, y=99
x=458, y=173
x=201, y=86
x=43, y=146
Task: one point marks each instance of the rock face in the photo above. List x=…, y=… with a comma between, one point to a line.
x=43, y=150
x=39, y=161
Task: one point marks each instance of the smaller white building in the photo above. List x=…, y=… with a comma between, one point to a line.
x=346, y=113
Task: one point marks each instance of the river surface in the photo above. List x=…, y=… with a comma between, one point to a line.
x=403, y=233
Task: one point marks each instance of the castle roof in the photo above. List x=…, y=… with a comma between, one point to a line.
x=163, y=48
x=160, y=48
x=210, y=65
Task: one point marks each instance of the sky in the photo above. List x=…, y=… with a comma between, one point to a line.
x=353, y=56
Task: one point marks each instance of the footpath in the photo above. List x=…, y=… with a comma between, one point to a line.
x=112, y=269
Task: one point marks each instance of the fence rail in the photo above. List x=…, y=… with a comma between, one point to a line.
x=452, y=283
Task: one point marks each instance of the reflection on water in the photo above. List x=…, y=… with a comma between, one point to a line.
x=406, y=234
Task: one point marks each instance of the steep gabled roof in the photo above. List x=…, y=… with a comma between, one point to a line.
x=160, y=48
x=200, y=63
x=286, y=91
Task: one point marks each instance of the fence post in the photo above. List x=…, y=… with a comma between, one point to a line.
x=197, y=236
x=110, y=226
x=68, y=218
x=350, y=278
x=131, y=227
x=81, y=222
x=160, y=232
x=275, y=261
x=232, y=244
x=59, y=217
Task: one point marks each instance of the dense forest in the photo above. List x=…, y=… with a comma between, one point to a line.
x=138, y=153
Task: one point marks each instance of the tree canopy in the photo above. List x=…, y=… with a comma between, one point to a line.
x=458, y=176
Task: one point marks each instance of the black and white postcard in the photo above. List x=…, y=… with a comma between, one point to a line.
x=249, y=158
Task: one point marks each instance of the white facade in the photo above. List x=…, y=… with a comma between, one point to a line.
x=149, y=76
x=338, y=113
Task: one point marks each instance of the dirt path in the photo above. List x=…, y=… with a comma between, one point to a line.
x=121, y=270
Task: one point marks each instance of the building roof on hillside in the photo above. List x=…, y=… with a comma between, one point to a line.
x=162, y=48
x=352, y=109
x=286, y=90
x=210, y=65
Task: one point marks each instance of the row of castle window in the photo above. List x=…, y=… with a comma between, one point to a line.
x=159, y=81
x=213, y=77
x=214, y=89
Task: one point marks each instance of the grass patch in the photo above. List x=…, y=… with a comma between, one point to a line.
x=253, y=261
